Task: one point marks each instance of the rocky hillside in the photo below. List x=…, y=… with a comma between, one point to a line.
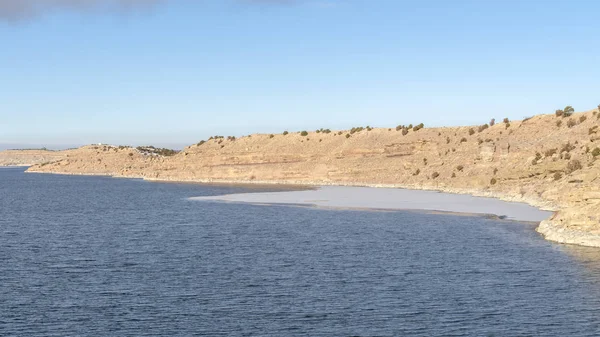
x=547, y=160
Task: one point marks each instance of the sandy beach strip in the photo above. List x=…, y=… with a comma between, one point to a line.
x=345, y=197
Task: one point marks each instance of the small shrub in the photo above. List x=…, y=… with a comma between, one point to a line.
x=506, y=121
x=271, y=135
x=130, y=154
x=559, y=113
x=493, y=122
x=435, y=175
x=507, y=125
x=459, y=168
x=493, y=181
x=557, y=176
x=571, y=123
x=495, y=170
x=453, y=175
x=347, y=135
x=582, y=119
x=567, y=156
x=550, y=152
x=573, y=166
x=285, y=133
x=303, y=133
x=400, y=127
x=482, y=127
x=471, y=132
x=447, y=140
x=404, y=132
x=558, y=123
x=538, y=156
x=419, y=127
x=201, y=142
x=567, y=147
x=596, y=152
x=463, y=140
x=568, y=111
x=417, y=172
x=479, y=141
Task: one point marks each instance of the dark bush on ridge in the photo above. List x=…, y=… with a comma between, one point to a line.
x=303, y=133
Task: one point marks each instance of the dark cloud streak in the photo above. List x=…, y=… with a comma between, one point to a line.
x=18, y=10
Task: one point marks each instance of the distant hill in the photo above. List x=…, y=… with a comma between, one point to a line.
x=546, y=160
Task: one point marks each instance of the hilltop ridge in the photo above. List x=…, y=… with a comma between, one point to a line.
x=550, y=161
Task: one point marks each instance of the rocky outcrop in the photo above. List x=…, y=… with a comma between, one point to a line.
x=546, y=161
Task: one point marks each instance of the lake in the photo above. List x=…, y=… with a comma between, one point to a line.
x=101, y=256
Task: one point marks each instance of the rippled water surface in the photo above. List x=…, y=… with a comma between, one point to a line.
x=100, y=256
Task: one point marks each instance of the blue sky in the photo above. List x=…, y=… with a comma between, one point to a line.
x=180, y=71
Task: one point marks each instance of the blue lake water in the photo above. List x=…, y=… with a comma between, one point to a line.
x=99, y=256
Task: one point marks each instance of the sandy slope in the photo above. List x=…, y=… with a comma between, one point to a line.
x=499, y=161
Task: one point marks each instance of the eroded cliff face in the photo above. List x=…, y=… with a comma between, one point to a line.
x=547, y=161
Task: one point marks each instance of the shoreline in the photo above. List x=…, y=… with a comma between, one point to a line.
x=549, y=228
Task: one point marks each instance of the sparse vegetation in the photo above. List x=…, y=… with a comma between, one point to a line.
x=347, y=135
x=271, y=136
x=506, y=120
x=471, y=132
x=151, y=150
x=482, y=127
x=493, y=181
x=419, y=127
x=559, y=112
x=596, y=152
x=303, y=133
x=571, y=123
x=285, y=133
x=201, y=142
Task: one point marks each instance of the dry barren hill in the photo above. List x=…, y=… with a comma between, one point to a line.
x=549, y=161
x=29, y=157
